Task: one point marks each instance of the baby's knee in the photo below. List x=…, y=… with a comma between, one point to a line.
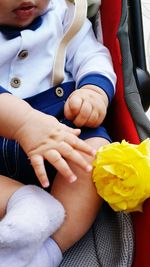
x=31, y=217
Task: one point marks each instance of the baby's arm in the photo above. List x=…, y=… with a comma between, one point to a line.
x=42, y=137
x=87, y=106
x=90, y=64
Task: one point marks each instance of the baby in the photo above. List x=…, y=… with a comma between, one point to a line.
x=42, y=127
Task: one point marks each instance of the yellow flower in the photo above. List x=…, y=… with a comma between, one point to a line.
x=122, y=174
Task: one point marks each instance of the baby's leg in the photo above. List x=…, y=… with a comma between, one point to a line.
x=7, y=188
x=29, y=215
x=80, y=201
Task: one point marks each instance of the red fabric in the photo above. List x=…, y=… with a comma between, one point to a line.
x=141, y=223
x=122, y=125
x=120, y=116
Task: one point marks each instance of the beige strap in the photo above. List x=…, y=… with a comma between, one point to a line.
x=76, y=24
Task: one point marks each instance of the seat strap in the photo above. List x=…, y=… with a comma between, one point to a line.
x=78, y=20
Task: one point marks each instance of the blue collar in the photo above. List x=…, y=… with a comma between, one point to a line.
x=13, y=32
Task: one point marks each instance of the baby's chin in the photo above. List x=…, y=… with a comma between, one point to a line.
x=19, y=24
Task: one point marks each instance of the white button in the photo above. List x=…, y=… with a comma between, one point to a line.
x=15, y=82
x=59, y=91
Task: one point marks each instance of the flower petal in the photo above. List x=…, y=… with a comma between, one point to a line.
x=122, y=174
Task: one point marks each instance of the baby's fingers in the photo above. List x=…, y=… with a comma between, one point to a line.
x=71, y=130
x=84, y=114
x=73, y=155
x=72, y=106
x=37, y=163
x=79, y=145
x=55, y=158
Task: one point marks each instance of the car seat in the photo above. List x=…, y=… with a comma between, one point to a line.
x=132, y=98
x=120, y=239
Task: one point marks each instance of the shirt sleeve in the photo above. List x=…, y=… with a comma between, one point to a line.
x=101, y=81
x=88, y=58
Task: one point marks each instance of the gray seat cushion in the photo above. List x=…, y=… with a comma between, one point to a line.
x=109, y=242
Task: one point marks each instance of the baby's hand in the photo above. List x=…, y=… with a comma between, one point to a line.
x=86, y=106
x=43, y=138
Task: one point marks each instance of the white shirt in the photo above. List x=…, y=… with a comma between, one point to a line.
x=84, y=54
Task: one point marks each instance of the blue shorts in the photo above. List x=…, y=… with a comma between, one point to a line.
x=13, y=161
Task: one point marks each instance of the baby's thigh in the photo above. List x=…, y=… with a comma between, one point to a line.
x=80, y=199
x=96, y=143
x=84, y=181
